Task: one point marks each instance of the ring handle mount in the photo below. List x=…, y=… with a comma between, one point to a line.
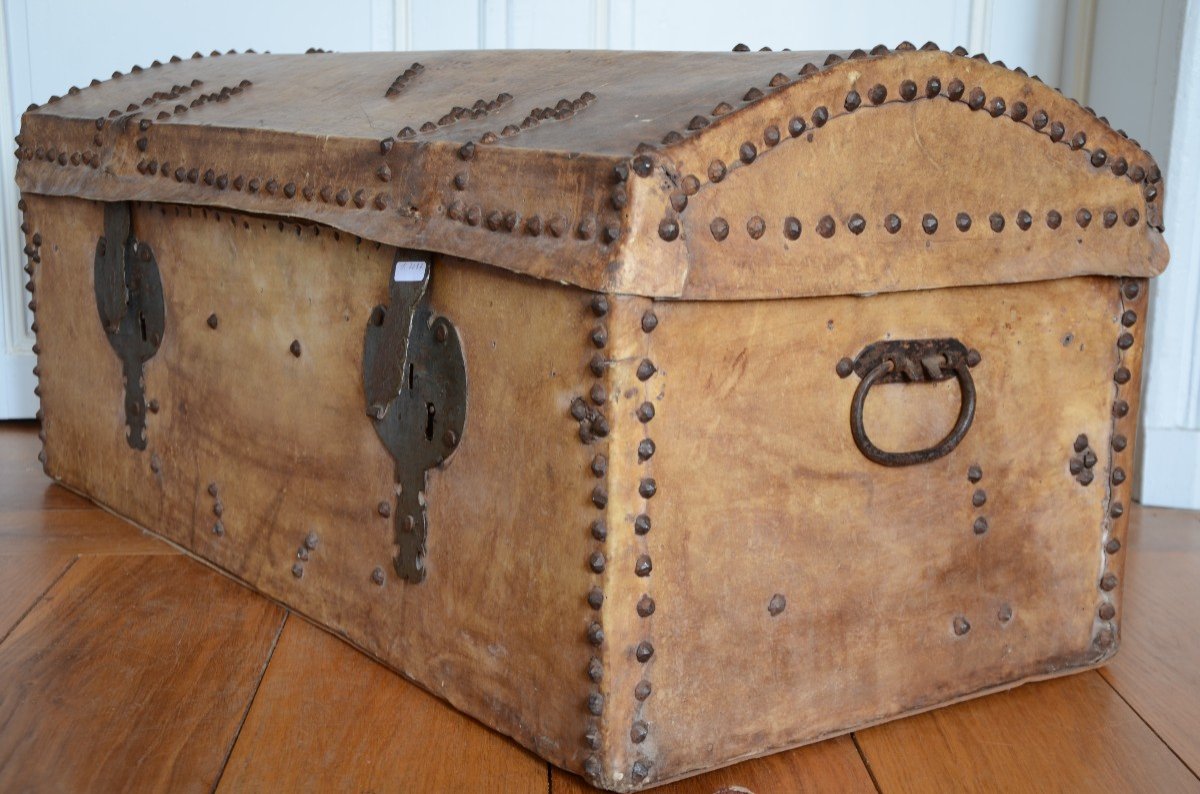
x=911, y=361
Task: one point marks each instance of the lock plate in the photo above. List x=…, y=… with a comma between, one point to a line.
x=129, y=299
x=415, y=383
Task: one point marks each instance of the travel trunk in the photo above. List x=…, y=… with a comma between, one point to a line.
x=659, y=410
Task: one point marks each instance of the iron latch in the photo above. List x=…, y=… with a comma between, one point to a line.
x=129, y=298
x=415, y=383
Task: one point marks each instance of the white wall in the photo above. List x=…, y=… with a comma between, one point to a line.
x=53, y=44
x=1155, y=96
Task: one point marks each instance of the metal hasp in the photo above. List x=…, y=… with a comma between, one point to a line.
x=913, y=361
x=129, y=298
x=415, y=382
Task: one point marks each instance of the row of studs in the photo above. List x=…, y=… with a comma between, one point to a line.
x=594, y=425
x=748, y=152
x=878, y=94
x=254, y=184
x=402, y=81
x=223, y=95
x=158, y=96
x=563, y=110
x=639, y=729
x=1121, y=376
x=556, y=225
x=117, y=75
x=962, y=52
x=826, y=227
x=33, y=255
x=479, y=110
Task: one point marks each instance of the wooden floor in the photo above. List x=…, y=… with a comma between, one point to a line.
x=126, y=666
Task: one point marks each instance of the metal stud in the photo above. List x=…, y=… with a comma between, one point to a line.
x=962, y=221
x=644, y=651
x=961, y=625
x=892, y=223
x=908, y=90
x=642, y=690
x=955, y=89
x=826, y=226
x=979, y=498
x=820, y=116
x=796, y=126
x=877, y=94
x=1113, y=546
x=716, y=171
x=599, y=531
x=645, y=606
x=856, y=224
x=1053, y=219
x=642, y=524
x=980, y=526
x=755, y=227
x=1125, y=341
x=719, y=228
x=1024, y=220
x=1108, y=582
x=1107, y=611
x=1083, y=217
x=791, y=227
x=996, y=221
x=645, y=450
x=929, y=223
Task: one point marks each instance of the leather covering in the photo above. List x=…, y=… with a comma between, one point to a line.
x=693, y=175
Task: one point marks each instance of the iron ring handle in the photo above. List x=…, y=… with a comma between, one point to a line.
x=966, y=415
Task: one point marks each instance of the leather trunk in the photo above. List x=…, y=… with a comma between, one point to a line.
x=542, y=377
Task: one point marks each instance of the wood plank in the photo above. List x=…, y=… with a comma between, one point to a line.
x=1070, y=733
x=327, y=718
x=135, y=672
x=74, y=532
x=23, y=580
x=832, y=765
x=1156, y=668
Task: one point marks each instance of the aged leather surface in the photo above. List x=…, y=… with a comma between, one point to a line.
x=612, y=190
x=656, y=549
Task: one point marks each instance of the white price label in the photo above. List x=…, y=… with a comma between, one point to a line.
x=408, y=271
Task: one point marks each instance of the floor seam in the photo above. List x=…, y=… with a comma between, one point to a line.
x=41, y=597
x=237, y=734
x=1145, y=722
x=862, y=756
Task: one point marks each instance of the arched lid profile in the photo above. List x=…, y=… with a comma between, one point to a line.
x=674, y=175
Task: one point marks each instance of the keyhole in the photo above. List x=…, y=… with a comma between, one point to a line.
x=410, y=377
x=429, y=421
x=142, y=324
